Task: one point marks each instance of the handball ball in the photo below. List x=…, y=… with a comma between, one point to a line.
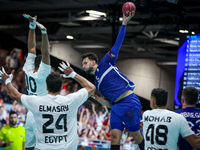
x=128, y=7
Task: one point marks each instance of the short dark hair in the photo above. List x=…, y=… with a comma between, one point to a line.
x=191, y=95
x=91, y=56
x=13, y=112
x=38, y=59
x=54, y=82
x=160, y=96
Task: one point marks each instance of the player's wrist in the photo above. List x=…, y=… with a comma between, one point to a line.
x=9, y=79
x=43, y=31
x=71, y=75
x=32, y=25
x=124, y=23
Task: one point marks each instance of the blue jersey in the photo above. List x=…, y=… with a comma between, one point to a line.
x=108, y=79
x=192, y=116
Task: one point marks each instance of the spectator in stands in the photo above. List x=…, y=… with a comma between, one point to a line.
x=12, y=134
x=81, y=147
x=12, y=59
x=3, y=114
x=83, y=136
x=94, y=147
x=99, y=116
x=3, y=55
x=82, y=120
x=23, y=113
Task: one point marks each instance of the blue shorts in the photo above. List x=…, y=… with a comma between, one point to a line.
x=126, y=112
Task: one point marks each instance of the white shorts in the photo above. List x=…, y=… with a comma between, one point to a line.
x=30, y=130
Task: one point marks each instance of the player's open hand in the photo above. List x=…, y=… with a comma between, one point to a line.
x=5, y=77
x=30, y=18
x=68, y=71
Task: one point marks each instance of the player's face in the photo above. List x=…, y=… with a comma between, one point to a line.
x=13, y=119
x=87, y=65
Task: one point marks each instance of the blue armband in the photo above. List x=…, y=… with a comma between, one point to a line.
x=120, y=38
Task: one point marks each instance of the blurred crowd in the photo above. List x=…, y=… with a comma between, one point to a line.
x=93, y=119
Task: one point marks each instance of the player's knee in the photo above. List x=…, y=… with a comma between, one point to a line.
x=115, y=137
x=136, y=136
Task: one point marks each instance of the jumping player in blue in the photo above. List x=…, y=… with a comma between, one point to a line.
x=118, y=89
x=189, y=99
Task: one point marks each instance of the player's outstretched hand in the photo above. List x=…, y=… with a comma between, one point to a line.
x=126, y=19
x=5, y=77
x=30, y=18
x=68, y=71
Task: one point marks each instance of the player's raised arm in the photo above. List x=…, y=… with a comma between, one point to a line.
x=31, y=35
x=13, y=91
x=120, y=38
x=70, y=73
x=45, y=44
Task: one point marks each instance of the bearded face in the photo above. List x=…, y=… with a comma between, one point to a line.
x=88, y=65
x=13, y=119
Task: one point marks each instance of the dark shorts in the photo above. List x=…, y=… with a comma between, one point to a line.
x=126, y=112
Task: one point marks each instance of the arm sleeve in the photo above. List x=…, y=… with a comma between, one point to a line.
x=29, y=64
x=44, y=70
x=120, y=38
x=185, y=129
x=79, y=97
x=28, y=101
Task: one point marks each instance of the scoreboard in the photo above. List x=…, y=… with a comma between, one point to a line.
x=188, y=67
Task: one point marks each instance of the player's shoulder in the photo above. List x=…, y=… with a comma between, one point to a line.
x=179, y=111
x=5, y=128
x=21, y=127
x=147, y=112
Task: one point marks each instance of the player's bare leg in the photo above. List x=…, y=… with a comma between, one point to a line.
x=138, y=137
x=115, y=138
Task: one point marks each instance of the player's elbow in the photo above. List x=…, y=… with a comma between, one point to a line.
x=91, y=89
x=13, y=96
x=194, y=141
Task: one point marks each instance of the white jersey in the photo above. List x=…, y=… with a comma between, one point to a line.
x=36, y=82
x=162, y=127
x=56, y=119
